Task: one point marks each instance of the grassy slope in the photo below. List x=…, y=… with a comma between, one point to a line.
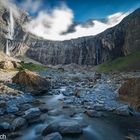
x=127, y=63
x=33, y=67
x=31, y=64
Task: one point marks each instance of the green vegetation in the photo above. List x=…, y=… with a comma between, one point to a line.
x=126, y=63
x=33, y=67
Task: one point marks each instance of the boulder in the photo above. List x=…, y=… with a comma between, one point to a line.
x=5, y=126
x=3, y=104
x=19, y=123
x=53, y=136
x=123, y=110
x=93, y=113
x=32, y=113
x=64, y=128
x=31, y=82
x=130, y=92
x=6, y=65
x=12, y=109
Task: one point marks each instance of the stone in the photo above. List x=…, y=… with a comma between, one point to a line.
x=99, y=107
x=3, y=104
x=43, y=108
x=12, y=109
x=123, y=110
x=130, y=92
x=64, y=127
x=32, y=113
x=53, y=136
x=31, y=82
x=24, y=107
x=93, y=113
x=77, y=93
x=19, y=123
x=97, y=76
x=5, y=126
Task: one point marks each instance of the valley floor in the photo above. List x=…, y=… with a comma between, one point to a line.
x=81, y=100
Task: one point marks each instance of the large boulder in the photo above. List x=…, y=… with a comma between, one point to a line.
x=32, y=113
x=130, y=92
x=19, y=123
x=53, y=136
x=31, y=82
x=64, y=128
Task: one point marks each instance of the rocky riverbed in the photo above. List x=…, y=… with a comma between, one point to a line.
x=79, y=105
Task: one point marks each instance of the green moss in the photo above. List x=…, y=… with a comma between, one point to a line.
x=130, y=62
x=33, y=67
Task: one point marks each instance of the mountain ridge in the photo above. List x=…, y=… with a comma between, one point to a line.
x=114, y=42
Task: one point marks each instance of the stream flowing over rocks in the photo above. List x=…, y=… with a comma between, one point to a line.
x=79, y=105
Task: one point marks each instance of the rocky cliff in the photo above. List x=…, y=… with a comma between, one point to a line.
x=120, y=40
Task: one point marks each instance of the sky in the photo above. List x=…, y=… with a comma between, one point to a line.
x=53, y=19
x=85, y=9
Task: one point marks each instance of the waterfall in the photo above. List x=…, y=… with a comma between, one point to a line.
x=7, y=48
x=11, y=25
x=10, y=30
x=98, y=51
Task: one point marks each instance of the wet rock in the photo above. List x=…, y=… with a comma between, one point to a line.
x=123, y=110
x=32, y=113
x=99, y=107
x=3, y=104
x=77, y=93
x=53, y=136
x=97, y=76
x=39, y=119
x=130, y=92
x=12, y=109
x=64, y=127
x=5, y=126
x=32, y=82
x=43, y=108
x=19, y=123
x=24, y=107
x=2, y=111
x=93, y=113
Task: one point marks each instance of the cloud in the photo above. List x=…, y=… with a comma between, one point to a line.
x=52, y=25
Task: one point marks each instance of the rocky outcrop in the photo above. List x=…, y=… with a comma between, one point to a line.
x=130, y=92
x=31, y=82
x=9, y=65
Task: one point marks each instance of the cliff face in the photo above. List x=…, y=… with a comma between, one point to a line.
x=120, y=40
